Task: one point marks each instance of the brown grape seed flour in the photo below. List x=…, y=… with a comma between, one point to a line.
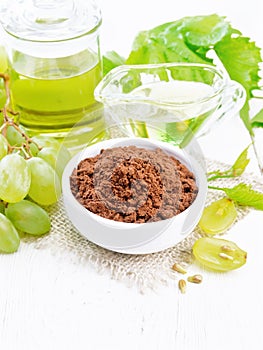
x=132, y=184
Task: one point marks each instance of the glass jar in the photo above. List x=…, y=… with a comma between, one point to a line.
x=54, y=63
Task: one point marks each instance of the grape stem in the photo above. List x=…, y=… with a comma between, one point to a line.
x=217, y=174
x=9, y=121
x=216, y=188
x=215, y=177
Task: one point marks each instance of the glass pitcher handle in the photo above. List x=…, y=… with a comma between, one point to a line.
x=233, y=100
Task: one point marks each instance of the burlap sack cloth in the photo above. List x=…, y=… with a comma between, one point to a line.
x=144, y=271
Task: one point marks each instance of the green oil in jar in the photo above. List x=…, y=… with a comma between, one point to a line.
x=56, y=96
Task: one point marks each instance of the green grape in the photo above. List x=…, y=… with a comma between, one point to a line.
x=3, y=146
x=218, y=216
x=28, y=217
x=49, y=154
x=45, y=188
x=1, y=106
x=3, y=60
x=58, y=160
x=219, y=254
x=14, y=137
x=9, y=239
x=14, y=178
x=53, y=152
x=64, y=154
x=33, y=149
x=45, y=141
x=2, y=99
x=3, y=68
x=2, y=207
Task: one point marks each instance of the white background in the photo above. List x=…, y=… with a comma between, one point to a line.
x=122, y=20
x=52, y=304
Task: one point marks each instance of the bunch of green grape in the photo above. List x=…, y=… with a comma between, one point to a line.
x=30, y=177
x=30, y=173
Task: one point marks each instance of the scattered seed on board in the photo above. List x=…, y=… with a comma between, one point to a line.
x=178, y=268
x=195, y=279
x=182, y=286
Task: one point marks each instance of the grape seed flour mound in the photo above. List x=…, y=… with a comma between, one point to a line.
x=135, y=185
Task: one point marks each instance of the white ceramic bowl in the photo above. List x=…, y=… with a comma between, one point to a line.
x=134, y=238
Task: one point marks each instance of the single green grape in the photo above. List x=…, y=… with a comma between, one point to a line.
x=3, y=146
x=1, y=114
x=3, y=59
x=14, y=178
x=14, y=137
x=218, y=216
x=45, y=188
x=58, y=160
x=64, y=154
x=28, y=217
x=3, y=68
x=45, y=141
x=2, y=207
x=219, y=254
x=33, y=149
x=49, y=154
x=9, y=238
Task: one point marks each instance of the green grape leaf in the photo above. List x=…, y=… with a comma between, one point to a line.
x=130, y=82
x=245, y=195
x=151, y=51
x=257, y=120
x=205, y=31
x=110, y=60
x=236, y=169
x=199, y=31
x=164, y=43
x=190, y=39
x=178, y=51
x=241, y=163
x=244, y=115
x=241, y=57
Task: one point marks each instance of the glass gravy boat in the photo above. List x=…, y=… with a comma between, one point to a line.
x=172, y=102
